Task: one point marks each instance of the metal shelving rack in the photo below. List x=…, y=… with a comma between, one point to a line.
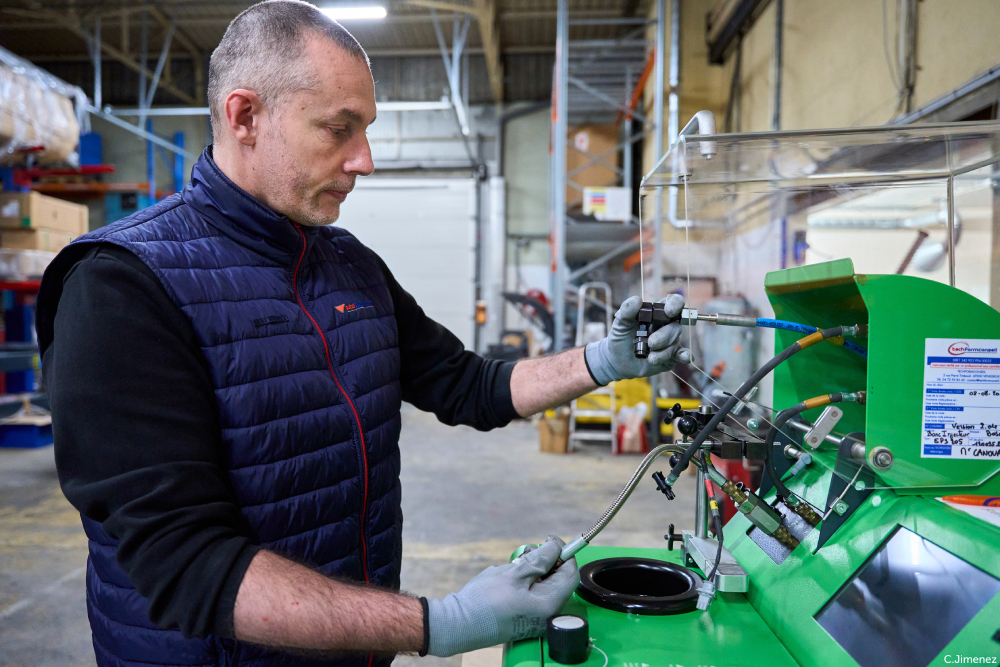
x=593, y=82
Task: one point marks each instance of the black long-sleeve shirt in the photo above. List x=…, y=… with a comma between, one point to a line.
x=138, y=443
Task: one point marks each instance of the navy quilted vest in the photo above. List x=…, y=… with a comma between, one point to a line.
x=298, y=330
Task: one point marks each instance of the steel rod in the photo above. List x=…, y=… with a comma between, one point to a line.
x=560, y=129
x=951, y=230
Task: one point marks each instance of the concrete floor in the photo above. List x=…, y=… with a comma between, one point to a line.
x=469, y=499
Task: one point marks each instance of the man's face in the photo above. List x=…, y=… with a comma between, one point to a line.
x=314, y=145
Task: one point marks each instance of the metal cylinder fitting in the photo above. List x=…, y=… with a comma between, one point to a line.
x=704, y=409
x=880, y=458
x=858, y=451
x=736, y=320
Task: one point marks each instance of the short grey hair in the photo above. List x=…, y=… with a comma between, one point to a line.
x=262, y=51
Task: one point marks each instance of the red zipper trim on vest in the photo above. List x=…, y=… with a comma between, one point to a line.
x=357, y=418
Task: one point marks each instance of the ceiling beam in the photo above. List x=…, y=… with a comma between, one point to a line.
x=221, y=21
x=404, y=52
x=116, y=54
x=196, y=54
x=484, y=11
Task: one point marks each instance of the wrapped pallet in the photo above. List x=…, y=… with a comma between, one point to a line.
x=37, y=113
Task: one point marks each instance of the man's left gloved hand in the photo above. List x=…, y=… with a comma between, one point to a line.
x=613, y=358
x=503, y=603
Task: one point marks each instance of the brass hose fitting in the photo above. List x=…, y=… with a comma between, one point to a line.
x=785, y=537
x=760, y=513
x=805, y=510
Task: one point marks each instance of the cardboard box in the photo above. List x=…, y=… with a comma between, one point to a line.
x=553, y=434
x=596, y=140
x=32, y=210
x=35, y=239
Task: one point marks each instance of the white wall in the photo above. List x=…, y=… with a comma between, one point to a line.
x=429, y=136
x=424, y=231
x=526, y=171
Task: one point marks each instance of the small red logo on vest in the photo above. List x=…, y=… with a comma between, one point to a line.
x=348, y=307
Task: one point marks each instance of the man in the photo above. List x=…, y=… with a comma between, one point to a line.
x=229, y=431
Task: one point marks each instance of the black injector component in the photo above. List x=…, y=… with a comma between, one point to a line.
x=651, y=317
x=661, y=484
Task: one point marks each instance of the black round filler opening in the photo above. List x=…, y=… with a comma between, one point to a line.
x=639, y=586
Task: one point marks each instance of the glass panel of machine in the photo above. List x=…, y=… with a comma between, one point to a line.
x=906, y=603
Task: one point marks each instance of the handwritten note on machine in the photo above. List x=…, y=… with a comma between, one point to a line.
x=961, y=399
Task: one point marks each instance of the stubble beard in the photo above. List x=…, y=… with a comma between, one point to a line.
x=301, y=200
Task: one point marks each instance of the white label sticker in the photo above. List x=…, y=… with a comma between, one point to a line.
x=961, y=399
x=11, y=209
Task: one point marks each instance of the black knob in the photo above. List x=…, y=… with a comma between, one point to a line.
x=674, y=460
x=672, y=537
x=687, y=425
x=672, y=413
x=568, y=638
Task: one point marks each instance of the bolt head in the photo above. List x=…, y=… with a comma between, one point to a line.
x=841, y=507
x=882, y=458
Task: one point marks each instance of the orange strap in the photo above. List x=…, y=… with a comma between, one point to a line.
x=810, y=340
x=817, y=402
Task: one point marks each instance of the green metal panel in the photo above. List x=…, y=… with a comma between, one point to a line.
x=905, y=311
x=788, y=595
x=901, y=311
x=730, y=634
x=823, y=296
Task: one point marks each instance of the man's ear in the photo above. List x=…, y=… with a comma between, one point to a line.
x=243, y=110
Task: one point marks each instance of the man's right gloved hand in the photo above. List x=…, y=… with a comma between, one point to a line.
x=613, y=358
x=502, y=603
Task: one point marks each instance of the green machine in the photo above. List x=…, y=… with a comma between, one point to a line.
x=873, y=538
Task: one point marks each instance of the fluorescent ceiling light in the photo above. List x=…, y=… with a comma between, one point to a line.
x=341, y=13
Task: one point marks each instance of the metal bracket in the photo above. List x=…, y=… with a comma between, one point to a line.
x=815, y=436
x=745, y=400
x=850, y=486
x=730, y=578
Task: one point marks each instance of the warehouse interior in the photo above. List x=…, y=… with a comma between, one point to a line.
x=799, y=172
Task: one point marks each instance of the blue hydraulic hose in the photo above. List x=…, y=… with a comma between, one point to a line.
x=766, y=323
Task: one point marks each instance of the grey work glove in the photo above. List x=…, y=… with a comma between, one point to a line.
x=502, y=603
x=614, y=359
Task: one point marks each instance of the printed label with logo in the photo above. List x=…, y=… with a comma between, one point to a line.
x=961, y=399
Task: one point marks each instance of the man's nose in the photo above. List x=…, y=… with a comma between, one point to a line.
x=360, y=162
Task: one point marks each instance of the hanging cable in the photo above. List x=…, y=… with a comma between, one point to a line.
x=717, y=521
x=738, y=395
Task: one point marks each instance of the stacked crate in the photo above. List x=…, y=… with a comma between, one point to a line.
x=33, y=221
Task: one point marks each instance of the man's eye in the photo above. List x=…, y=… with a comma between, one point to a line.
x=337, y=131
